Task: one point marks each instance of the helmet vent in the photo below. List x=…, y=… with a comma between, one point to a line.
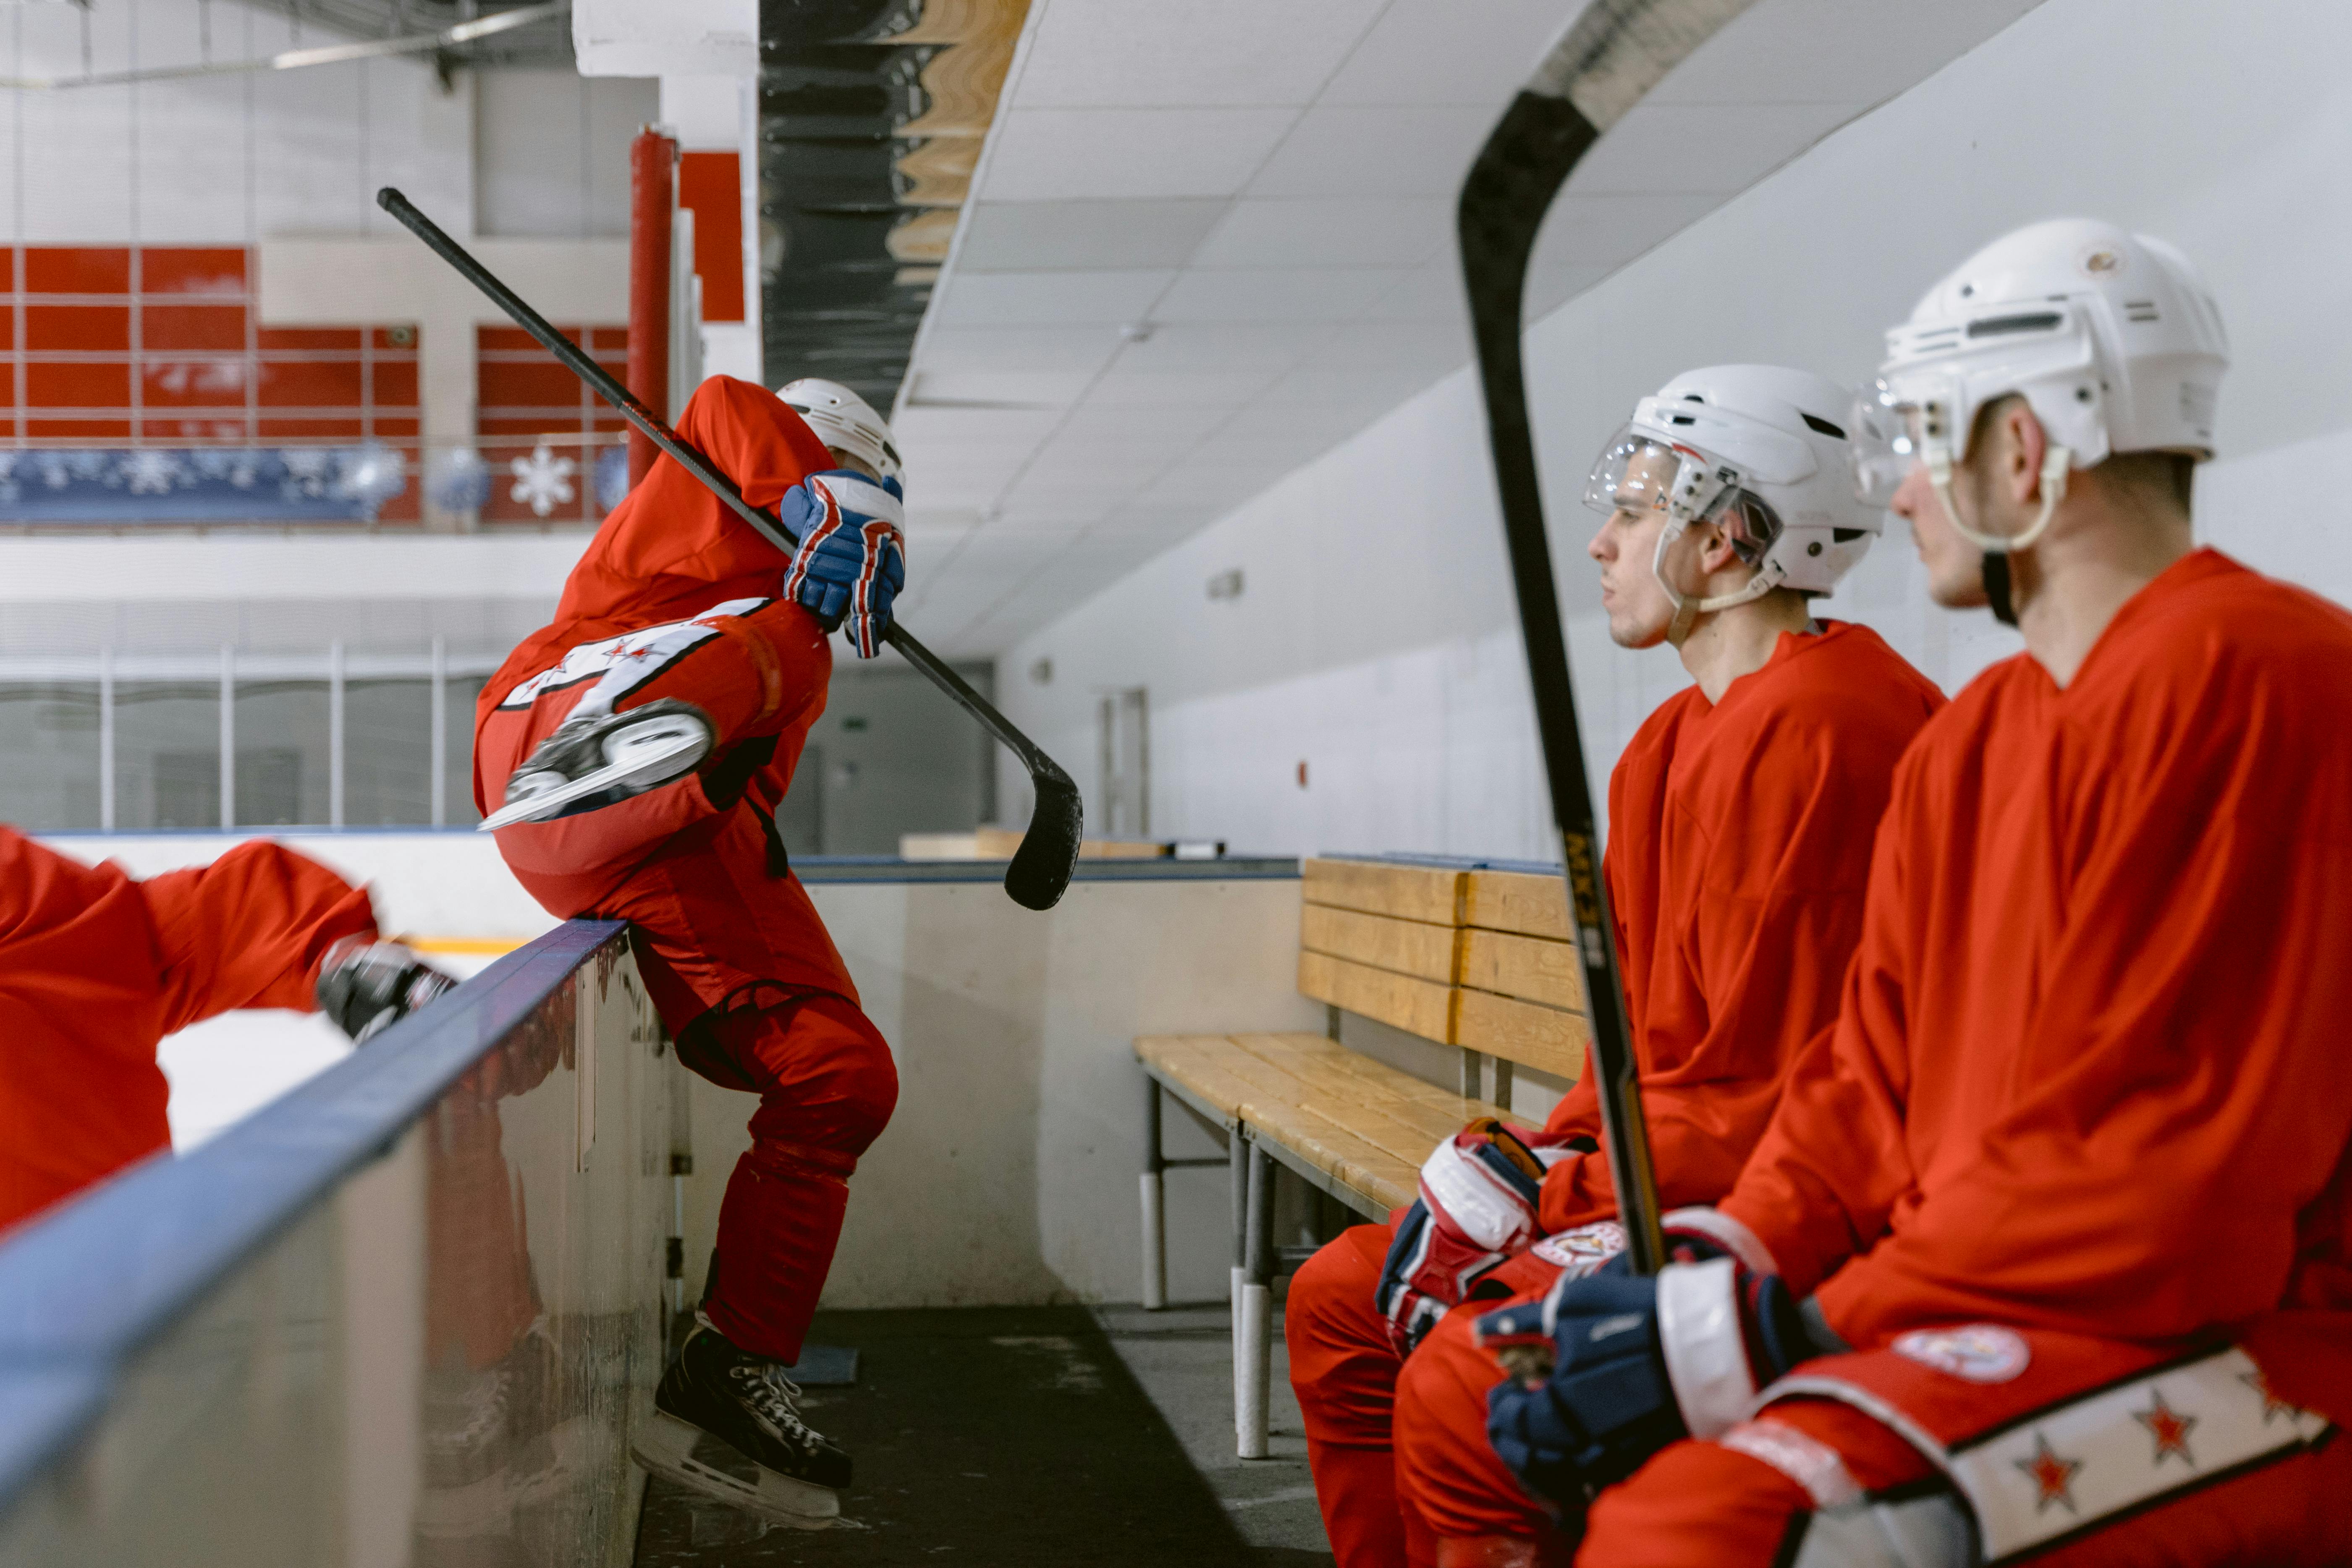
x=1821, y=427
x=1846, y=535
x=2025, y=322
x=2140, y=310
x=1680, y=419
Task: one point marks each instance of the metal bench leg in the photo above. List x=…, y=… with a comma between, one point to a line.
x=1502, y=1095
x=1254, y=1352
x=1237, y=1153
x=1155, y=1202
x=1471, y=1088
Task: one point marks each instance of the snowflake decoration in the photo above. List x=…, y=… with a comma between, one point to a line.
x=54, y=472
x=370, y=475
x=612, y=474
x=543, y=480
x=457, y=480
x=307, y=470
x=151, y=471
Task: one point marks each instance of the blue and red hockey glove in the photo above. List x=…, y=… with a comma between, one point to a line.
x=1479, y=1193
x=1611, y=1368
x=852, y=559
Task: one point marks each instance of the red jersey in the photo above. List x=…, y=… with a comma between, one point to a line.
x=694, y=874
x=96, y=969
x=2089, y=1074
x=1739, y=856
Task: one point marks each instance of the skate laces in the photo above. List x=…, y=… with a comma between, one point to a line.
x=774, y=1397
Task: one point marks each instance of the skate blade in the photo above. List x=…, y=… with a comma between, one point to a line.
x=539, y=807
x=666, y=1447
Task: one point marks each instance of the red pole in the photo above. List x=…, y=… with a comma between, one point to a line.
x=653, y=163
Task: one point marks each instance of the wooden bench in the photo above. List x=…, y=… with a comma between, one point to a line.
x=1460, y=953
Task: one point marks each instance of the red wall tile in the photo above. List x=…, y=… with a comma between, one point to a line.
x=333, y=383
x=506, y=384
x=70, y=269
x=8, y=267
x=209, y=431
x=193, y=382
x=78, y=386
x=711, y=183
x=395, y=385
x=173, y=327
x=184, y=269
x=309, y=429
x=93, y=430
x=340, y=339
x=90, y=329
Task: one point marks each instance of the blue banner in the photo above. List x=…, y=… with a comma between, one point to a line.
x=204, y=484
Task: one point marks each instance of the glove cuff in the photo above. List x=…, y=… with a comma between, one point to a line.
x=1701, y=1340
x=1724, y=1232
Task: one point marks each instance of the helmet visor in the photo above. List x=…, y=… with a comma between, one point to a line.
x=1893, y=427
x=1638, y=473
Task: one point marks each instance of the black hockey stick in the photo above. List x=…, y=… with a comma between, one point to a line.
x=1609, y=57
x=1041, y=868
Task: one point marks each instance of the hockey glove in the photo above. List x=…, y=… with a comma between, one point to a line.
x=1479, y=1191
x=852, y=559
x=1609, y=1369
x=366, y=987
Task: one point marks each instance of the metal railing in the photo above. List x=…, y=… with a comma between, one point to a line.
x=408, y=1313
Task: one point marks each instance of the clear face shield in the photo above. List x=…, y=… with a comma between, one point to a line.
x=1637, y=474
x=1916, y=420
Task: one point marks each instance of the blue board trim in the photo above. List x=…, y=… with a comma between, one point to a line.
x=87, y=1288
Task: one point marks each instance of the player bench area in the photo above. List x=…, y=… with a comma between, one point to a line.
x=1466, y=955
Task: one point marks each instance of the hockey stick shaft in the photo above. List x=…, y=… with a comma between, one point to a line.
x=1611, y=55
x=1042, y=868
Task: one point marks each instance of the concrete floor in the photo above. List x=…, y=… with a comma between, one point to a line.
x=1183, y=1359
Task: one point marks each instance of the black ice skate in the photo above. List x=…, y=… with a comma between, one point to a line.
x=729, y=1425
x=603, y=760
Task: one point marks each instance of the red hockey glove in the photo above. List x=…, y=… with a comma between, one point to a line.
x=1479, y=1192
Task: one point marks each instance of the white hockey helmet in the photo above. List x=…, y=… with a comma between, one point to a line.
x=2111, y=337
x=1754, y=449
x=844, y=420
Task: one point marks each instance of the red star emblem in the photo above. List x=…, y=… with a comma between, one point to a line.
x=2052, y=1476
x=2170, y=1428
x=2272, y=1404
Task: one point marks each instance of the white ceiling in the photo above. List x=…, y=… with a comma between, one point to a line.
x=1210, y=241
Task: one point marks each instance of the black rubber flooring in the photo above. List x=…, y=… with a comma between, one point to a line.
x=982, y=1435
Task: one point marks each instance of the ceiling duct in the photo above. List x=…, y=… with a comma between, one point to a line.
x=872, y=114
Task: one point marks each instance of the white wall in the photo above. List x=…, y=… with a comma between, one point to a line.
x=1376, y=637
x=217, y=160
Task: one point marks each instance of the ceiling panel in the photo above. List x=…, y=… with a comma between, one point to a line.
x=1208, y=242
x=1200, y=52
x=1026, y=298
x=1025, y=237
x=1327, y=231
x=1055, y=155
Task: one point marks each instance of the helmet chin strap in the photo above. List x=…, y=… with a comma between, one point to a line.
x=1687, y=610
x=2056, y=464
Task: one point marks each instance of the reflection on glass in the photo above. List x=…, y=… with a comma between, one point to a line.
x=166, y=754
x=387, y=752
x=459, y=732
x=283, y=764
x=49, y=756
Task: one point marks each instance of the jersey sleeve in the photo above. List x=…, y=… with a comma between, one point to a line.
x=248, y=930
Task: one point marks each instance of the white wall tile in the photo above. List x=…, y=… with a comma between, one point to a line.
x=1023, y=236
x=1315, y=231
x=1020, y=299
x=1089, y=53
x=1055, y=155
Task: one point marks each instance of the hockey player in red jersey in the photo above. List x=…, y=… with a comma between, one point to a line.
x=640, y=745
x=97, y=967
x=2045, y=1250
x=1735, y=870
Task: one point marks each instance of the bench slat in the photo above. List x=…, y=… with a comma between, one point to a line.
x=1404, y=947
x=1427, y=893
x=1532, y=968
x=1544, y=1038
x=1522, y=901
x=1422, y=1007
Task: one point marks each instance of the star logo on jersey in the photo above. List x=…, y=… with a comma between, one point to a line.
x=2051, y=1475
x=2272, y=1404
x=2170, y=1428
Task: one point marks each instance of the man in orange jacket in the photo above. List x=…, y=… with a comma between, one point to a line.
x=641, y=744
x=2044, y=1252
x=1738, y=852
x=96, y=968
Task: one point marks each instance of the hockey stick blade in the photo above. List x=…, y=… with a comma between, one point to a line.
x=1042, y=868
x=1612, y=55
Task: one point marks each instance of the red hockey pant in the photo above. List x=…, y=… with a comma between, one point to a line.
x=1707, y=1506
x=826, y=1087
x=1345, y=1374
